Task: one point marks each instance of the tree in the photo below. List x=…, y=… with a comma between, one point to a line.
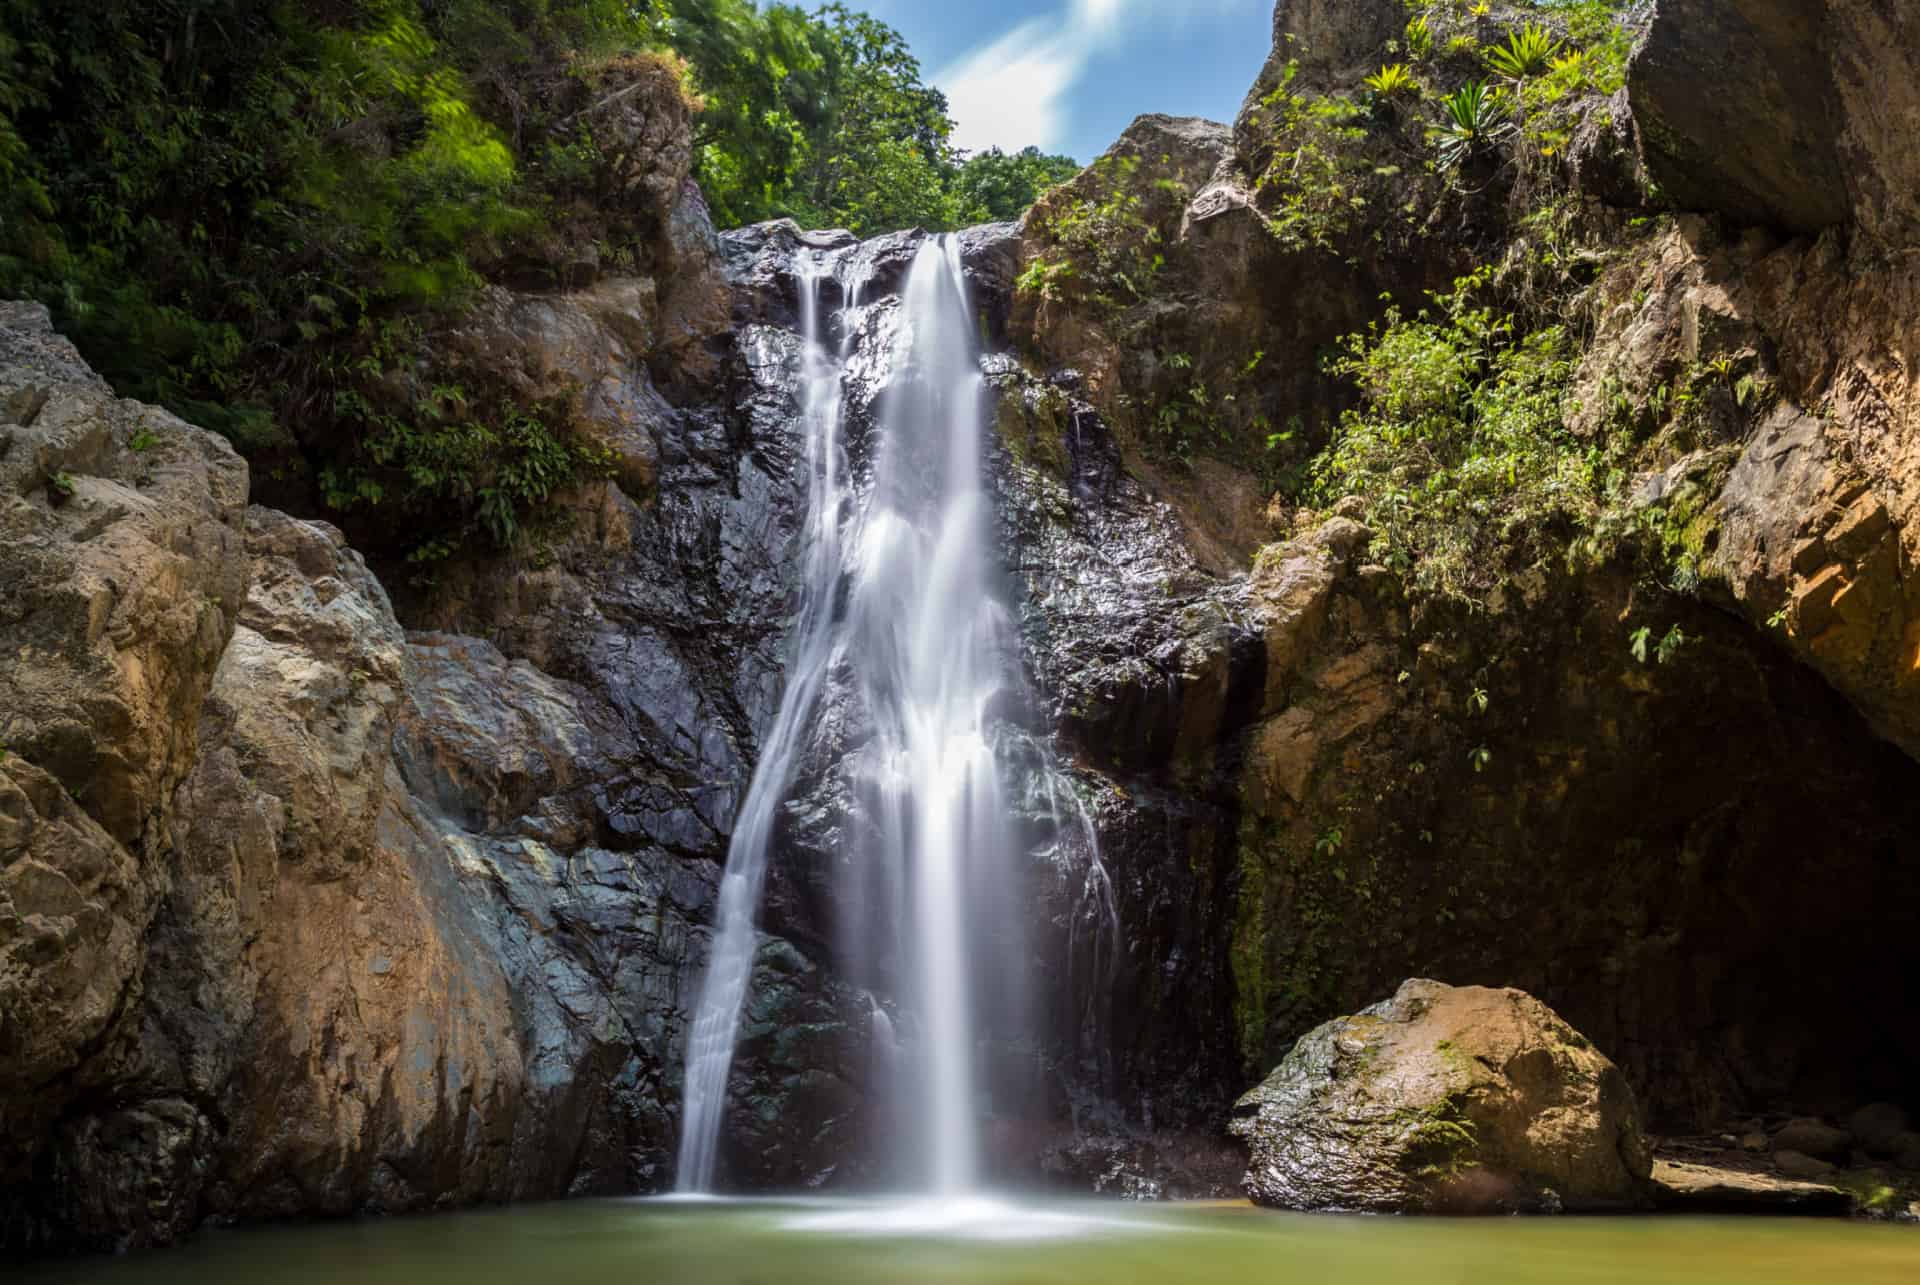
x=994, y=186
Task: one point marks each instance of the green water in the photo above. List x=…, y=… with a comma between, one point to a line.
x=845, y=1243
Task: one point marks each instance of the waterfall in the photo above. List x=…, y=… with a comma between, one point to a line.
x=931, y=651
x=925, y=657
x=730, y=968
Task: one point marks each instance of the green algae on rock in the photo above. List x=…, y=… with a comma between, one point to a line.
x=1446, y=1100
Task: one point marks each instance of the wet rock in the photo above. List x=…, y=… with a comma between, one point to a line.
x=1468, y=1099
x=1706, y=1189
x=1812, y=1137
x=990, y=255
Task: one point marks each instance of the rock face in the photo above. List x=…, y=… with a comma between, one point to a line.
x=1791, y=113
x=303, y=914
x=1424, y=795
x=1445, y=1099
x=121, y=547
x=1329, y=42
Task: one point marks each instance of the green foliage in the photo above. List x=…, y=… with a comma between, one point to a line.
x=823, y=117
x=1644, y=650
x=1477, y=116
x=257, y=212
x=831, y=113
x=237, y=209
x=1111, y=250
x=1527, y=53
x=1393, y=80
x=1420, y=38
x=996, y=186
x=474, y=471
x=1312, y=182
x=1191, y=413
x=1459, y=452
x=1045, y=279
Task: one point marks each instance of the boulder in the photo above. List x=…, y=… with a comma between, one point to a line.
x=1879, y=1128
x=1446, y=1099
x=1812, y=1137
x=1797, y=1164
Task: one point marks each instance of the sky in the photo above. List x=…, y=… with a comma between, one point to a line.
x=1069, y=75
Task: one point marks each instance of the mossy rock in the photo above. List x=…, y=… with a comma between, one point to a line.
x=1445, y=1099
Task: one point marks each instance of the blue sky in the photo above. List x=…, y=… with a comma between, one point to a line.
x=1068, y=75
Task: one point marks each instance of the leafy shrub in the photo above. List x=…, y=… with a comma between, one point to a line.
x=1312, y=181
x=255, y=214
x=1459, y=452
x=1110, y=250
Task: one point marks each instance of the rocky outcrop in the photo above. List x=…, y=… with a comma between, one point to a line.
x=316, y=916
x=1796, y=114
x=1704, y=1189
x=1402, y=766
x=1327, y=42
x=1797, y=501
x=1440, y=1099
x=121, y=568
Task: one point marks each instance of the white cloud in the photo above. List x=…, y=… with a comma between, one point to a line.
x=1012, y=90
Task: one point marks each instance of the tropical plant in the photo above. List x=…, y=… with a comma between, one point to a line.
x=1420, y=38
x=1527, y=53
x=1392, y=81
x=1477, y=116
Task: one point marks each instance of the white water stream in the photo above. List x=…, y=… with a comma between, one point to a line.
x=730, y=968
x=924, y=650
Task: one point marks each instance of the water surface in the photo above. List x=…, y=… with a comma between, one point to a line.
x=632, y=1242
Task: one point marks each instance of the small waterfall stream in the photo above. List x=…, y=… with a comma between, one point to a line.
x=724, y=990
x=900, y=620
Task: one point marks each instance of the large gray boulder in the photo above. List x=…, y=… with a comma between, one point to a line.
x=1445, y=1099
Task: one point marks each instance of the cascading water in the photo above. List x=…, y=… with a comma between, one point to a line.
x=931, y=648
x=902, y=631
x=717, y=1020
